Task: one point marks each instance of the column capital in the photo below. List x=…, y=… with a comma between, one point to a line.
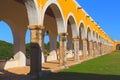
x=84, y=39
x=36, y=26
x=63, y=34
x=76, y=37
x=90, y=40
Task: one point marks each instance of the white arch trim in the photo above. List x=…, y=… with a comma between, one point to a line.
x=89, y=35
x=83, y=31
x=73, y=25
x=93, y=35
x=60, y=20
x=32, y=10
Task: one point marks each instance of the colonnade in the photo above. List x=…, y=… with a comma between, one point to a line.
x=94, y=49
x=71, y=23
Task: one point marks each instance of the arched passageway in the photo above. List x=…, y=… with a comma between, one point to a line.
x=82, y=41
x=6, y=41
x=72, y=34
x=18, y=22
x=118, y=47
x=94, y=42
x=53, y=15
x=89, y=42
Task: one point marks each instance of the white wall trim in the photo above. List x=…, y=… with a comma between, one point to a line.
x=60, y=21
x=73, y=25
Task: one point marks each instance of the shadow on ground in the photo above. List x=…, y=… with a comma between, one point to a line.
x=5, y=75
x=80, y=76
x=61, y=76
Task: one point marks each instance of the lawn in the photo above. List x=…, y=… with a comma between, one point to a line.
x=106, y=67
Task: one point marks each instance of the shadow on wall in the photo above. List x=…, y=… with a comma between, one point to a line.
x=80, y=76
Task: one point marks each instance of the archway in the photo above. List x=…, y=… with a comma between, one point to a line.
x=97, y=44
x=94, y=41
x=72, y=33
x=82, y=36
x=88, y=41
x=53, y=15
x=6, y=41
x=118, y=47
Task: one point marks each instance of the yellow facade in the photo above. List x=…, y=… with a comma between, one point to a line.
x=78, y=33
x=70, y=6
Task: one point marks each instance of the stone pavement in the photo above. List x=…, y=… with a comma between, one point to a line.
x=20, y=73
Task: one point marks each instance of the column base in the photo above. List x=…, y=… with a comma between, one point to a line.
x=39, y=76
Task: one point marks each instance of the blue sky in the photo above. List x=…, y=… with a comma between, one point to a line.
x=105, y=12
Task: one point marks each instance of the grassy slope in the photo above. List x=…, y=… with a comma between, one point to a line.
x=106, y=67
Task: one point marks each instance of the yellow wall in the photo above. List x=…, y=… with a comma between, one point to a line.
x=69, y=6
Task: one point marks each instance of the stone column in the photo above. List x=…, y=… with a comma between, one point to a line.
x=62, y=53
x=100, y=48
x=84, y=48
x=76, y=48
x=94, y=49
x=91, y=48
x=35, y=55
x=103, y=48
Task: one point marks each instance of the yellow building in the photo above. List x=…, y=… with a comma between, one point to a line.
x=79, y=34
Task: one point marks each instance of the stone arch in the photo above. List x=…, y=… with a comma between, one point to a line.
x=21, y=16
x=82, y=35
x=72, y=21
x=53, y=15
x=89, y=38
x=58, y=15
x=94, y=43
x=97, y=36
x=7, y=32
x=82, y=29
x=93, y=35
x=72, y=32
x=8, y=25
x=32, y=11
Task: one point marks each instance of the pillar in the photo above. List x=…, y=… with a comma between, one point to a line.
x=63, y=37
x=76, y=48
x=90, y=48
x=103, y=48
x=35, y=55
x=84, y=48
x=94, y=49
x=98, y=48
x=97, y=51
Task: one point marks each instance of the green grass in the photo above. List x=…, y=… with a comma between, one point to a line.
x=106, y=67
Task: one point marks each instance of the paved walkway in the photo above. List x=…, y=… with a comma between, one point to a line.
x=20, y=73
